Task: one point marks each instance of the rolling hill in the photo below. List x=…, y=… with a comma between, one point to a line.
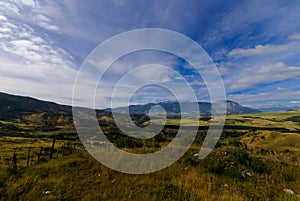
x=13, y=106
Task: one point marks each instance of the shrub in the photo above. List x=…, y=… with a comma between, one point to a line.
x=127, y=142
x=159, y=138
x=189, y=161
x=156, y=145
x=42, y=174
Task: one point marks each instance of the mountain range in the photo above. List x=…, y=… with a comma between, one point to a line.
x=173, y=108
x=14, y=107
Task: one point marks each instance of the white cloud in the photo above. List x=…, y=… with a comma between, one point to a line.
x=270, y=97
x=24, y=42
x=9, y=7
x=295, y=102
x=273, y=19
x=29, y=3
x=268, y=73
x=27, y=57
x=32, y=65
x=295, y=36
x=263, y=50
x=30, y=12
x=2, y=18
x=45, y=22
x=152, y=74
x=260, y=50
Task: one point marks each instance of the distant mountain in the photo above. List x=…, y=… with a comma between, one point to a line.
x=235, y=108
x=34, y=110
x=173, y=108
x=277, y=109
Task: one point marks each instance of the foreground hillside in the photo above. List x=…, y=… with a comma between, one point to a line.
x=231, y=172
x=257, y=158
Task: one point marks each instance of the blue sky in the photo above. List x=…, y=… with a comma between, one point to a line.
x=254, y=44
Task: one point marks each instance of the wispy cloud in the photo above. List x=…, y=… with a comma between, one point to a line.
x=264, y=74
x=30, y=63
x=270, y=98
x=261, y=50
x=256, y=43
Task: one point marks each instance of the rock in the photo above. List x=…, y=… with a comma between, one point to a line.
x=248, y=174
x=289, y=191
x=226, y=185
x=196, y=155
x=47, y=192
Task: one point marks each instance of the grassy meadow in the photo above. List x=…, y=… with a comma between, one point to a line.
x=257, y=158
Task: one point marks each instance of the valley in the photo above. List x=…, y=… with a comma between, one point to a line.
x=257, y=158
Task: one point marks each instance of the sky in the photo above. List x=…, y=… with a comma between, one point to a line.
x=255, y=45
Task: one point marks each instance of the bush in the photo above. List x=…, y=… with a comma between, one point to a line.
x=127, y=142
x=235, y=143
x=189, y=161
x=156, y=145
x=257, y=166
x=159, y=138
x=240, y=156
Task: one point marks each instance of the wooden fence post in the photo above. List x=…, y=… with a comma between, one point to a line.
x=31, y=161
x=28, y=156
x=40, y=154
x=52, y=149
x=14, y=161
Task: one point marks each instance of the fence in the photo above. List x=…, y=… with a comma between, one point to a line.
x=42, y=154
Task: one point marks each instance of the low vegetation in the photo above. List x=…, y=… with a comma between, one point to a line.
x=254, y=160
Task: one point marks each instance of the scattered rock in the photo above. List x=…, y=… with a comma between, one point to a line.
x=289, y=191
x=99, y=175
x=196, y=155
x=248, y=174
x=47, y=192
x=226, y=185
x=113, y=181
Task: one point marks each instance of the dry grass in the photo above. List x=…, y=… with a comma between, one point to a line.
x=270, y=158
